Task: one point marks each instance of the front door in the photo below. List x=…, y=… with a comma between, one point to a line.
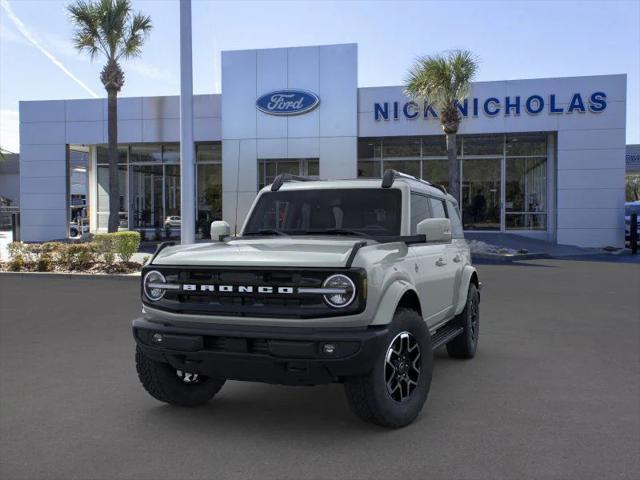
x=269, y=169
x=481, y=194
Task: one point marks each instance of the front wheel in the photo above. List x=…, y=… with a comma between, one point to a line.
x=393, y=393
x=176, y=387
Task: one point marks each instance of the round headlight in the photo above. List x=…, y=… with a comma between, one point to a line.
x=343, y=290
x=152, y=285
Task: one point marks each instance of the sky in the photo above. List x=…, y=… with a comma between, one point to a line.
x=512, y=39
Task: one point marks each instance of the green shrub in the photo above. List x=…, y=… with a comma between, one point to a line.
x=16, y=263
x=126, y=244
x=78, y=256
x=44, y=263
x=17, y=249
x=51, y=247
x=105, y=245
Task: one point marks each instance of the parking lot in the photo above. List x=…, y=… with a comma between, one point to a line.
x=554, y=392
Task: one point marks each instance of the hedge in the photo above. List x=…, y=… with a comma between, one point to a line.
x=45, y=257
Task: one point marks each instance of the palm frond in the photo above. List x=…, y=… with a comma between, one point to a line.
x=139, y=28
x=442, y=79
x=109, y=27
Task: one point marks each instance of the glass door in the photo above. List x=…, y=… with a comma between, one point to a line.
x=146, y=196
x=481, y=193
x=269, y=169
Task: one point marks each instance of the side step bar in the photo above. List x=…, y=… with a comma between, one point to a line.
x=444, y=335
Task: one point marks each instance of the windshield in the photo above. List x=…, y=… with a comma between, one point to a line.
x=358, y=211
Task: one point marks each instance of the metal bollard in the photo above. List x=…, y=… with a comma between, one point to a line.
x=633, y=233
x=15, y=227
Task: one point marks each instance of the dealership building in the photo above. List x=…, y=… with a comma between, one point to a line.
x=543, y=158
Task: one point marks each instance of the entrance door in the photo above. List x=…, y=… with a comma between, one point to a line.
x=481, y=193
x=269, y=169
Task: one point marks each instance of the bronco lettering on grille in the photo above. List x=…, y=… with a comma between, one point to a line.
x=192, y=287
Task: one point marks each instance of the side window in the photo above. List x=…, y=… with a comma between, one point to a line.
x=456, y=223
x=437, y=207
x=419, y=210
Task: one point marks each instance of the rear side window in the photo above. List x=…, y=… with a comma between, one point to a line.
x=419, y=210
x=437, y=207
x=456, y=223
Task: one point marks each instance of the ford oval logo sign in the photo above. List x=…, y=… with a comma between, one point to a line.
x=287, y=102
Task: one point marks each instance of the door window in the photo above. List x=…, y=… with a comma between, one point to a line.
x=437, y=207
x=419, y=210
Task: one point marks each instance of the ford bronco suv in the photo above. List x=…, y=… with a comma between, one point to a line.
x=351, y=281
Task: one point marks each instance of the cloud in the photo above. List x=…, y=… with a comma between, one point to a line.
x=9, y=130
x=152, y=72
x=22, y=28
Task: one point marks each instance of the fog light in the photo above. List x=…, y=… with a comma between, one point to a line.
x=157, y=338
x=328, y=348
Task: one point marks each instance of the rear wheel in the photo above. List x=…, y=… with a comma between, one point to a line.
x=466, y=344
x=165, y=383
x=393, y=393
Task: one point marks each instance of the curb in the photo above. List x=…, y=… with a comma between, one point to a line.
x=79, y=276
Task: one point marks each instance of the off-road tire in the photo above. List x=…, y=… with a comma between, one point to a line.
x=162, y=383
x=466, y=344
x=368, y=396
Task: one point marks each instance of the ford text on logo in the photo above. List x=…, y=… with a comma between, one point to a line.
x=287, y=102
x=492, y=106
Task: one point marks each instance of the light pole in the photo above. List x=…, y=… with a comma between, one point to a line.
x=187, y=147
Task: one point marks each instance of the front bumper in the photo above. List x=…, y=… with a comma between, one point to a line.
x=288, y=356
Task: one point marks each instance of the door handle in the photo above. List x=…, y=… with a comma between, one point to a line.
x=441, y=262
x=457, y=258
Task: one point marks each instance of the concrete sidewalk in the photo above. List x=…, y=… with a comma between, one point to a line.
x=531, y=245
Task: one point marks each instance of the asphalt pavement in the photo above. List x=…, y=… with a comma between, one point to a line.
x=554, y=393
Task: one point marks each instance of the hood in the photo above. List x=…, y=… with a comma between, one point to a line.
x=262, y=252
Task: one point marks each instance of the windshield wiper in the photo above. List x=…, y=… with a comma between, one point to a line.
x=265, y=231
x=338, y=231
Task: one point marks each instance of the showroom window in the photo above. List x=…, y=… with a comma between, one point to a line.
x=208, y=186
x=503, y=177
x=149, y=176
x=269, y=169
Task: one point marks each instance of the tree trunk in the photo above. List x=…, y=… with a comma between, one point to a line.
x=114, y=186
x=454, y=167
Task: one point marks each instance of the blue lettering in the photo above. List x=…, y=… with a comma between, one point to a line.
x=475, y=107
x=576, y=104
x=410, y=110
x=552, y=106
x=395, y=110
x=380, y=111
x=539, y=101
x=510, y=106
x=598, y=102
x=464, y=108
x=496, y=102
x=428, y=109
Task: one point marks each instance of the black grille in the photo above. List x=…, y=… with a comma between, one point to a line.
x=282, y=305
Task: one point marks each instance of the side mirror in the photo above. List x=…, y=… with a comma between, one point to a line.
x=435, y=229
x=219, y=230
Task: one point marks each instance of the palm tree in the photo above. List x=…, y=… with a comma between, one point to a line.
x=110, y=28
x=444, y=81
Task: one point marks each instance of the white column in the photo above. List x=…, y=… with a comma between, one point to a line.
x=187, y=147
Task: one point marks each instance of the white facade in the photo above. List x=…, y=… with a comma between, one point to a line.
x=585, y=158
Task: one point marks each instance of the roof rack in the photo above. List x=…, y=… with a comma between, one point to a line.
x=442, y=189
x=287, y=177
x=390, y=175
